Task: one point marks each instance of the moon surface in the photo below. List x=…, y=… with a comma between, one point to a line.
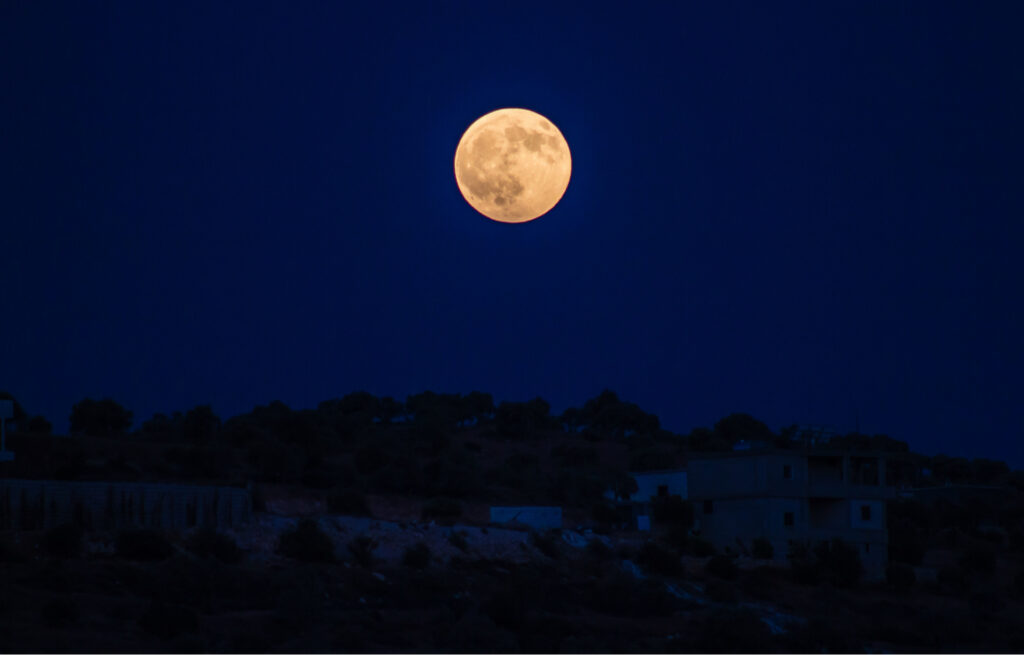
x=512, y=165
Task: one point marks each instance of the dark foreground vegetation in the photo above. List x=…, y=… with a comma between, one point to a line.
x=955, y=581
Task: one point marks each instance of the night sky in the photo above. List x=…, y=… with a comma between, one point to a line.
x=810, y=212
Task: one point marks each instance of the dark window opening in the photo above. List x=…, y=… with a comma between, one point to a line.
x=662, y=491
x=865, y=512
x=787, y=519
x=708, y=508
x=867, y=548
x=787, y=471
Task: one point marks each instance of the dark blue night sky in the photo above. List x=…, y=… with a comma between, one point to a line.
x=805, y=211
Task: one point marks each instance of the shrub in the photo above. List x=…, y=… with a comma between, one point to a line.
x=347, y=501
x=700, y=547
x=417, y=557
x=209, y=543
x=143, y=545
x=900, y=576
x=63, y=541
x=59, y=612
x=1018, y=584
x=953, y=579
x=659, y=560
x=361, y=548
x=722, y=566
x=306, y=543
x=457, y=538
x=673, y=510
x=721, y=592
x=762, y=549
x=547, y=543
x=760, y=583
x=733, y=631
x=839, y=562
x=169, y=621
x=978, y=560
x=598, y=549
x=442, y=509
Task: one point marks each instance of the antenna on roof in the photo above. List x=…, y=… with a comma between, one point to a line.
x=6, y=412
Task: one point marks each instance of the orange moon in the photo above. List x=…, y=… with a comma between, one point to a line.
x=512, y=165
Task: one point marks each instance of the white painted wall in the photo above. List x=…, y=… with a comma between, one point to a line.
x=877, y=520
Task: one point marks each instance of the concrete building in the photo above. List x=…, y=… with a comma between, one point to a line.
x=786, y=496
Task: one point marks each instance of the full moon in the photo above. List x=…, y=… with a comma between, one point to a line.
x=512, y=165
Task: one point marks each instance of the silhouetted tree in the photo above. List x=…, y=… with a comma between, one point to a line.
x=389, y=409
x=739, y=426
x=201, y=425
x=38, y=425
x=100, y=418
x=520, y=419
x=164, y=428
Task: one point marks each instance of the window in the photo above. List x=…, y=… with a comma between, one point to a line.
x=867, y=548
x=662, y=491
x=865, y=512
x=787, y=471
x=787, y=519
x=708, y=508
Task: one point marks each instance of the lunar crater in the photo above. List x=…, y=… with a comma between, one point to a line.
x=510, y=170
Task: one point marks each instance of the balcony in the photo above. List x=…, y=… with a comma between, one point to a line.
x=840, y=489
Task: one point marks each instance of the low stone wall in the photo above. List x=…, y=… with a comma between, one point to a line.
x=38, y=504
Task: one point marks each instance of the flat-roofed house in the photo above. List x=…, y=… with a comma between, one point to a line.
x=785, y=496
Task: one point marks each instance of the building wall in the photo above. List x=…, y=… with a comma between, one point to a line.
x=541, y=518
x=38, y=504
x=876, y=514
x=648, y=483
x=757, y=474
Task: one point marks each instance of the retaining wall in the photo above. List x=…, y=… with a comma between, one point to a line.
x=39, y=504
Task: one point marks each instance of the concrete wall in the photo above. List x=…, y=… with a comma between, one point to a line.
x=541, y=518
x=38, y=504
x=876, y=511
x=756, y=474
x=648, y=483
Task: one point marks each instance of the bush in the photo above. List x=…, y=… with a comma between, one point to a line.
x=700, y=547
x=169, y=621
x=722, y=566
x=763, y=549
x=733, y=631
x=209, y=543
x=142, y=545
x=760, y=583
x=458, y=539
x=347, y=501
x=59, y=612
x=63, y=541
x=547, y=543
x=417, y=557
x=659, y=560
x=839, y=562
x=673, y=510
x=598, y=549
x=442, y=509
x=978, y=560
x=953, y=579
x=361, y=548
x=306, y=543
x=900, y=576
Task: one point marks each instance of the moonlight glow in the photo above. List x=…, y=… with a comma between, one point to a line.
x=512, y=165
